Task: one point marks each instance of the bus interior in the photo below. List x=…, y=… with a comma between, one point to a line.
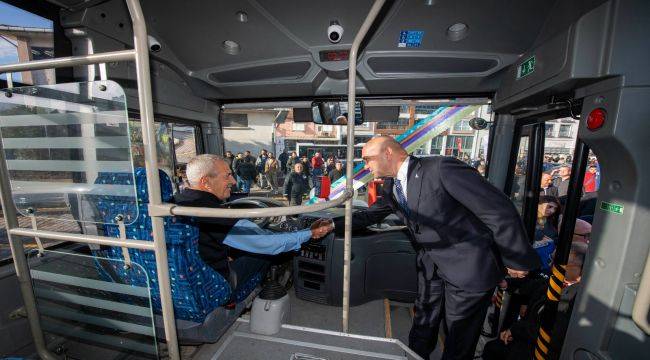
x=104, y=102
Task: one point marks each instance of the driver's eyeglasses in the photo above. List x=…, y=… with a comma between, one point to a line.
x=586, y=236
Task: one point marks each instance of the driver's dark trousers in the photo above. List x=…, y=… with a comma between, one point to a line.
x=463, y=313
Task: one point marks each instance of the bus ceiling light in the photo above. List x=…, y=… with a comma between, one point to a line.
x=457, y=32
x=242, y=16
x=231, y=47
x=596, y=119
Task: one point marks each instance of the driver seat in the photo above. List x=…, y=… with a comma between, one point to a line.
x=199, y=293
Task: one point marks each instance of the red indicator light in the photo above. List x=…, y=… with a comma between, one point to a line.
x=596, y=119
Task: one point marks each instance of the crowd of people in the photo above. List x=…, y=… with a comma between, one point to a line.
x=289, y=174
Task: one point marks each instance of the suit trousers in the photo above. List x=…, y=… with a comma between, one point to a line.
x=463, y=313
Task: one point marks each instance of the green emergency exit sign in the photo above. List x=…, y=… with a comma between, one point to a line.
x=613, y=208
x=526, y=68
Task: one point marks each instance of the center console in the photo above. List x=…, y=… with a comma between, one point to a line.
x=382, y=263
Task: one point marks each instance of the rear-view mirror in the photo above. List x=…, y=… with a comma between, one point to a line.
x=335, y=112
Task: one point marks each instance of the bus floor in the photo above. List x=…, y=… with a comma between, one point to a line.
x=378, y=318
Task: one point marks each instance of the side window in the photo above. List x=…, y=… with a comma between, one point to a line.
x=163, y=145
x=185, y=143
x=25, y=37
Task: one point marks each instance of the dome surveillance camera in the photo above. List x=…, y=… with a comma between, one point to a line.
x=154, y=45
x=334, y=32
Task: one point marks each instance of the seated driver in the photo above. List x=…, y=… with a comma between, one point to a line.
x=210, y=182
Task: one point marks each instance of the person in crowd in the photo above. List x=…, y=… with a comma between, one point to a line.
x=283, y=158
x=293, y=159
x=211, y=182
x=306, y=167
x=546, y=230
x=481, y=169
x=546, y=186
x=520, y=328
x=235, y=164
x=249, y=156
x=330, y=164
x=229, y=158
x=271, y=169
x=259, y=166
x=589, y=183
x=464, y=229
x=296, y=185
x=562, y=181
x=336, y=173
x=317, y=164
x=246, y=172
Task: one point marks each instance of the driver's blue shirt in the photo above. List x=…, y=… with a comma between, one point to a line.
x=248, y=236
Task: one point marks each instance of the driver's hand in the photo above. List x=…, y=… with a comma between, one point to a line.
x=321, y=227
x=517, y=273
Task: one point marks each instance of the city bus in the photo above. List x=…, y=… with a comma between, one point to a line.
x=104, y=102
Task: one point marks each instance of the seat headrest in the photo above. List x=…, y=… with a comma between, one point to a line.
x=140, y=173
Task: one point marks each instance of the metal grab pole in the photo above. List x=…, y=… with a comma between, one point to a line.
x=349, y=166
x=556, y=280
x=20, y=261
x=151, y=166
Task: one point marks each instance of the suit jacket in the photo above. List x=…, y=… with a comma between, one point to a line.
x=471, y=226
x=550, y=191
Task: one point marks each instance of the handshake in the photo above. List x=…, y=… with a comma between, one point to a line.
x=321, y=227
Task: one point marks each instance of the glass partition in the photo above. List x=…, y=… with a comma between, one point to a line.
x=67, y=148
x=82, y=298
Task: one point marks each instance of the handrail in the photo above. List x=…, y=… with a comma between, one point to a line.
x=69, y=61
x=87, y=239
x=140, y=43
x=174, y=210
x=642, y=301
x=352, y=77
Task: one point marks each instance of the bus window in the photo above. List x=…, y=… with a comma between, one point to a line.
x=25, y=37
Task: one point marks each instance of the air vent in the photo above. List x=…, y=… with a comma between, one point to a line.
x=284, y=71
x=428, y=65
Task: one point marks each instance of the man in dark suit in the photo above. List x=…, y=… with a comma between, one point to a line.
x=546, y=185
x=467, y=233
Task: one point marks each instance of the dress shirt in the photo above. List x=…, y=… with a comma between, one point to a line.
x=402, y=176
x=247, y=236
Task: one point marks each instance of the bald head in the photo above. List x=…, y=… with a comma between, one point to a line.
x=386, y=142
x=383, y=156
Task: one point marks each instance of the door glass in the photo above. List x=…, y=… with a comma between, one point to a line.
x=559, y=146
x=519, y=177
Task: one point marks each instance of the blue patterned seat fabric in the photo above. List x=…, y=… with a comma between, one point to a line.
x=196, y=288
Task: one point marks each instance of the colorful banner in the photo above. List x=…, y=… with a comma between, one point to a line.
x=422, y=131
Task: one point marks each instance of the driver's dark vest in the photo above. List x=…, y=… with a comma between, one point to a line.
x=212, y=231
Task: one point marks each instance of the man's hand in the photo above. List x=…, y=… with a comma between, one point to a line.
x=506, y=336
x=321, y=227
x=517, y=273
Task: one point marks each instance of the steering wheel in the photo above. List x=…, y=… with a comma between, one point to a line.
x=250, y=203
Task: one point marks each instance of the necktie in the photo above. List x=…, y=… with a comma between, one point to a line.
x=400, y=197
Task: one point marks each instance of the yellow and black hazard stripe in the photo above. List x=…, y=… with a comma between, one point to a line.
x=553, y=294
x=542, y=345
x=555, y=282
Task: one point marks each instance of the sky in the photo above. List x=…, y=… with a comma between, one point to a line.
x=11, y=15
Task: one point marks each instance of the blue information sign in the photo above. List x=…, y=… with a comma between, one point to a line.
x=410, y=38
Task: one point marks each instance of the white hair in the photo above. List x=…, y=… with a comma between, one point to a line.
x=200, y=166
